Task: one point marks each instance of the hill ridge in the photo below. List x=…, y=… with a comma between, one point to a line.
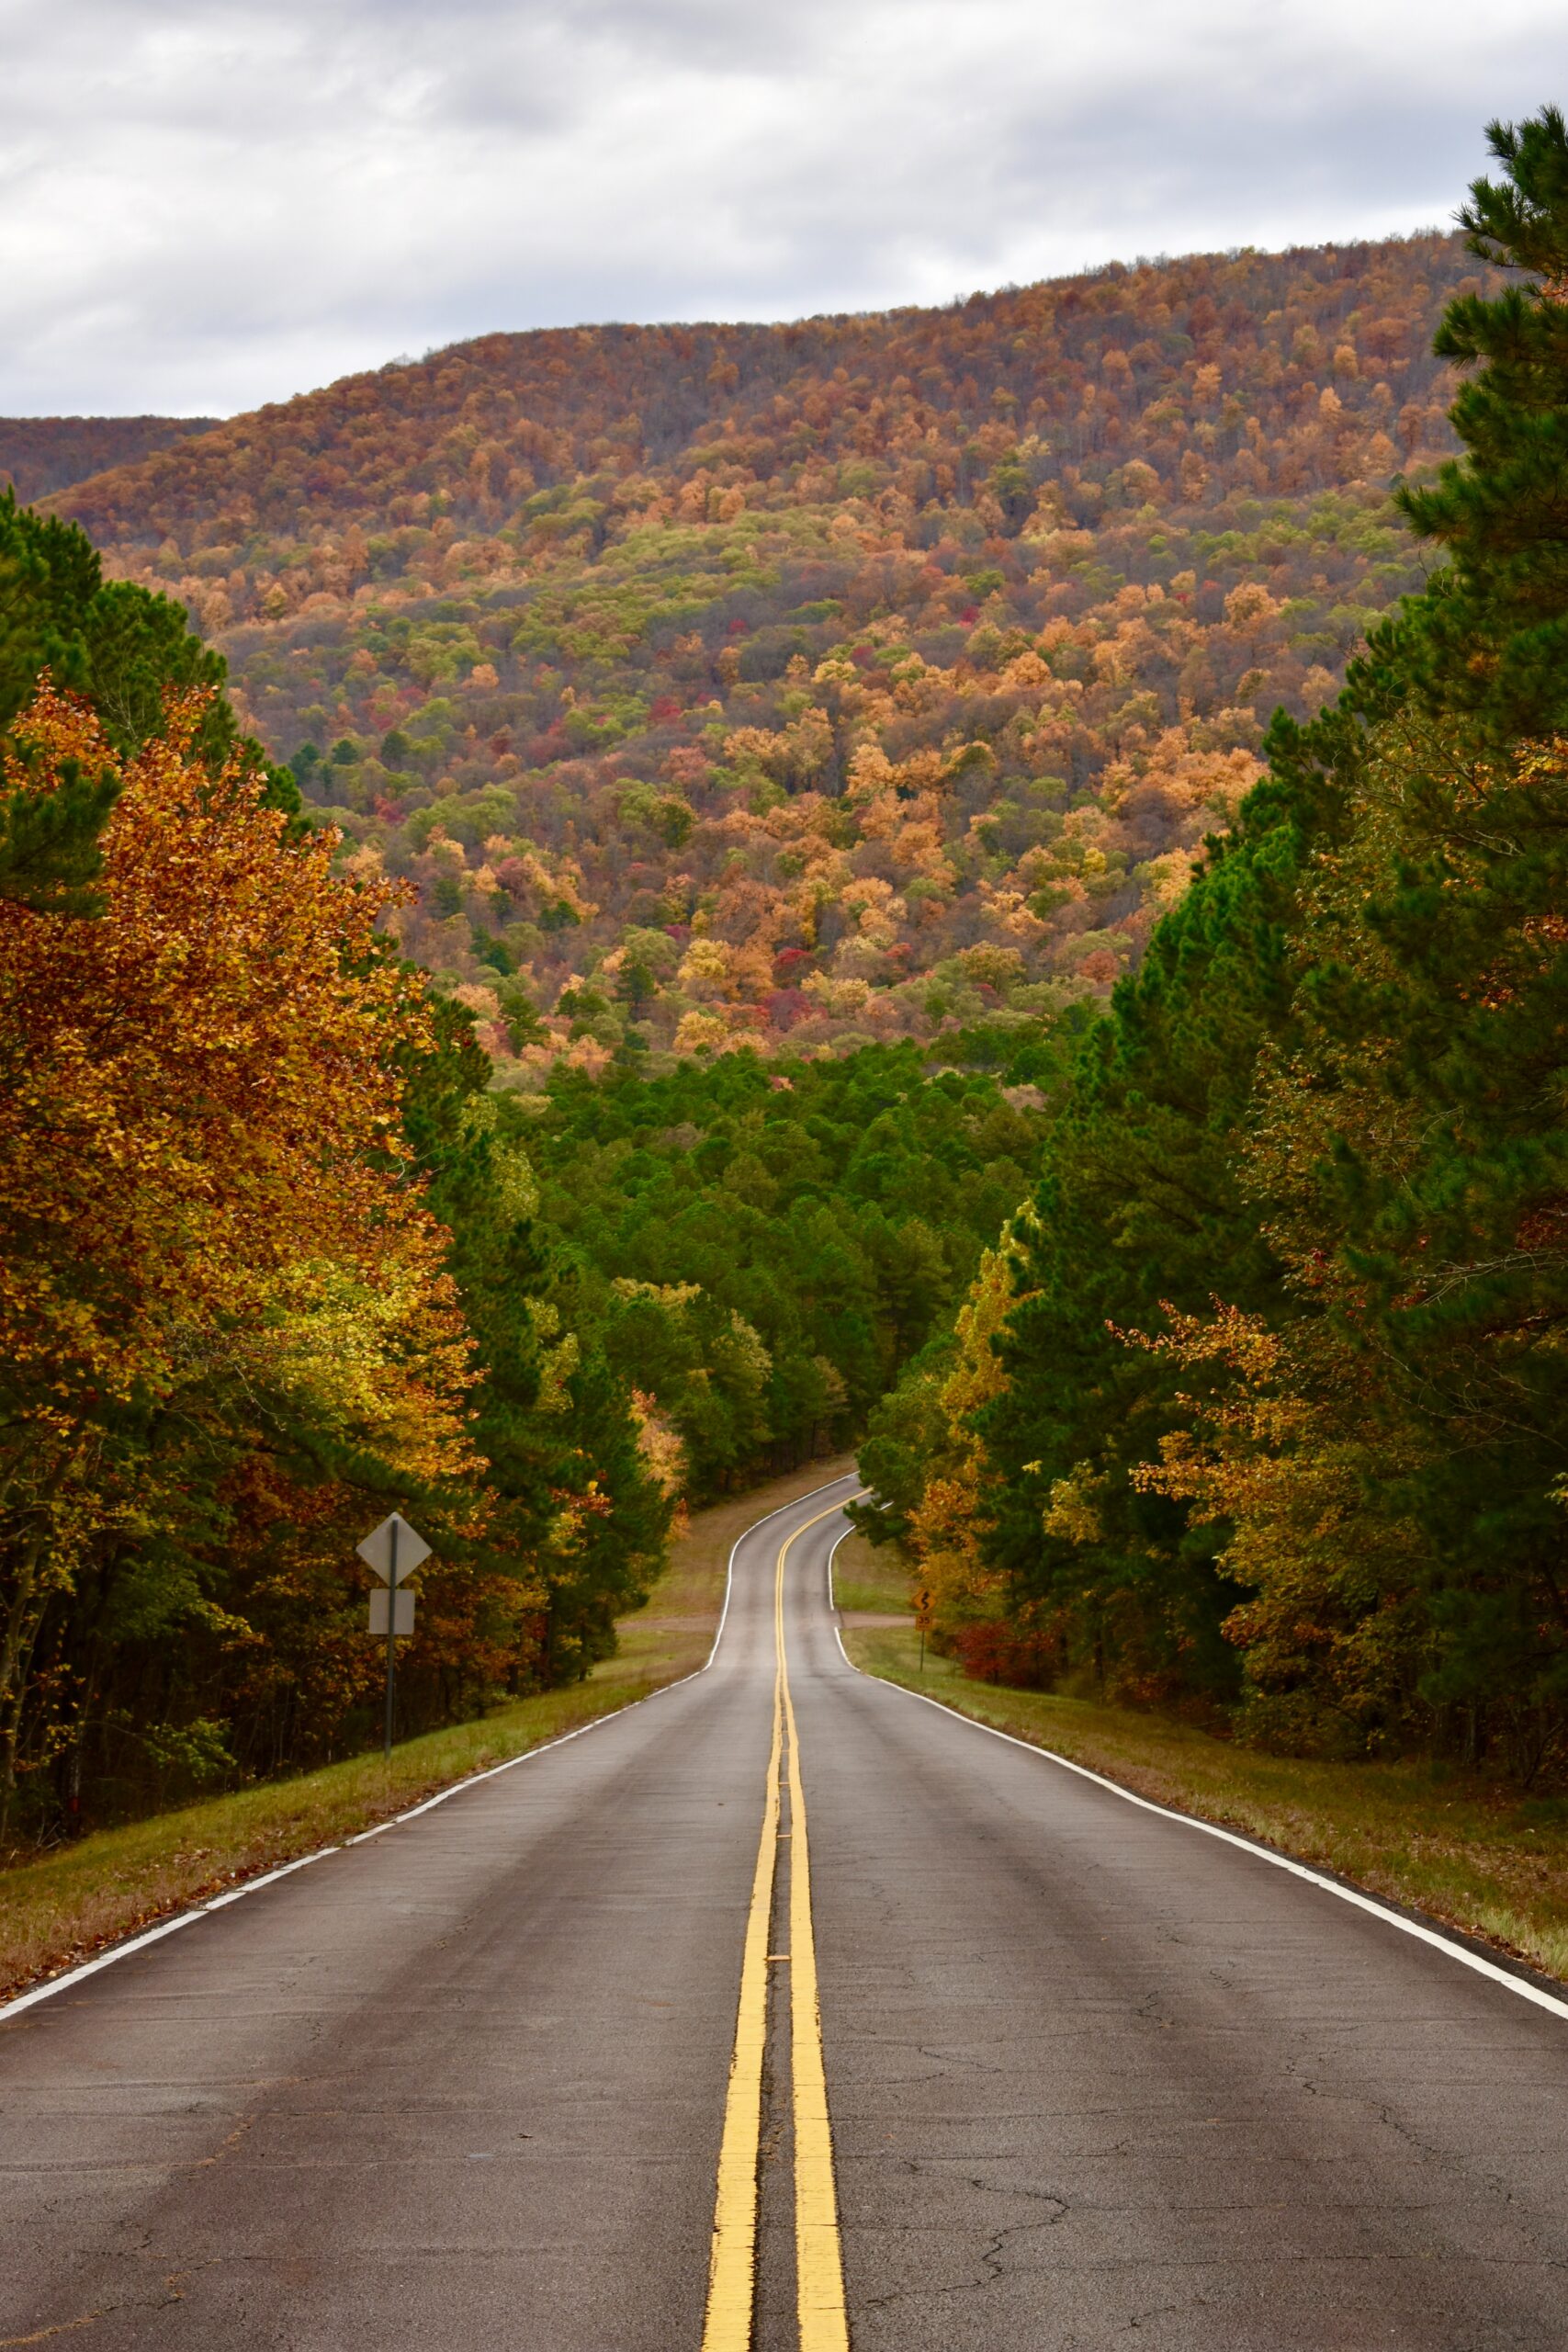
x=872, y=675
x=42, y=454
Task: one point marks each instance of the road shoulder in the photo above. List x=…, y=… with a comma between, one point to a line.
x=1464, y=1851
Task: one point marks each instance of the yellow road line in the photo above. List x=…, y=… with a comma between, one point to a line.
x=732, y=2267
x=818, y=2255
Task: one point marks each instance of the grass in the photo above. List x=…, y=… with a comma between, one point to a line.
x=67, y=1904
x=1469, y=1851
x=870, y=1579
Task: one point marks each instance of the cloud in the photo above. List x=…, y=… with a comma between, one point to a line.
x=209, y=203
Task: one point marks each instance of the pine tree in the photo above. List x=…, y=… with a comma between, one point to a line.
x=1140, y=1208
x=1491, y=635
x=124, y=650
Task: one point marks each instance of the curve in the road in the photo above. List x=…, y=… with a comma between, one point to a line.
x=66, y=1977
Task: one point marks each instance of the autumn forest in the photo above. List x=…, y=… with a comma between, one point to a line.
x=611, y=911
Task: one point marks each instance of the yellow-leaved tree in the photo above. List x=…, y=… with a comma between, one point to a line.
x=957, y=1594
x=222, y=1309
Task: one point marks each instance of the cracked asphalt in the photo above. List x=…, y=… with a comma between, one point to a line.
x=1096, y=2080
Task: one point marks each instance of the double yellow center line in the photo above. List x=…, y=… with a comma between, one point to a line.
x=819, y=2259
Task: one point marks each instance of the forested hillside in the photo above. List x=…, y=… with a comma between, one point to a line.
x=1260, y=1411
x=856, y=679
x=39, y=454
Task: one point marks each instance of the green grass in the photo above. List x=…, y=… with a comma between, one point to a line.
x=870, y=1579
x=67, y=1904
x=1472, y=1852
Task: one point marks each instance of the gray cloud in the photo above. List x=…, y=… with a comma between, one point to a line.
x=209, y=203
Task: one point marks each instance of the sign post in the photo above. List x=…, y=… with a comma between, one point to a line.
x=394, y=1552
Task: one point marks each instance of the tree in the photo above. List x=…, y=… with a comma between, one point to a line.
x=573, y=1505
x=1294, y=1291
x=121, y=646
x=50, y=857
x=214, y=1253
x=1491, y=635
x=1140, y=1205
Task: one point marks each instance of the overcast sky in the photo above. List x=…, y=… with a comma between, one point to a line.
x=205, y=204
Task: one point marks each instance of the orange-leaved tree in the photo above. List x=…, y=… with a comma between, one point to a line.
x=219, y=1281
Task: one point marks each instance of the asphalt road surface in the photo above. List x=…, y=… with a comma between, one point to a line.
x=1094, y=2078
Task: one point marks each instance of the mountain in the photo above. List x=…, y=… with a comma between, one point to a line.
x=865, y=677
x=39, y=454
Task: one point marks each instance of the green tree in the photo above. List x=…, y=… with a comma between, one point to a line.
x=1332, y=1095
x=48, y=841
x=1491, y=635
x=122, y=647
x=574, y=1497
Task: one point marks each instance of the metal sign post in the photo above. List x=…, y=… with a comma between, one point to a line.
x=391, y=1632
x=394, y=1552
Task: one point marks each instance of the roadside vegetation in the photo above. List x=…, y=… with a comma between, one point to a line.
x=61, y=1908
x=277, y=1255
x=1258, y=1417
x=1467, y=1848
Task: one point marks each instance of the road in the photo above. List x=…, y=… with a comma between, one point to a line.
x=1094, y=2078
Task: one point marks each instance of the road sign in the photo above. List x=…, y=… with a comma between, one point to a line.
x=402, y=1614
x=394, y=1550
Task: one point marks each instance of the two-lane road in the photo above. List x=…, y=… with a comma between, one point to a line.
x=1094, y=2078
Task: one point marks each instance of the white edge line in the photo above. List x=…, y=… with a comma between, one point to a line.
x=104, y=1960
x=47, y=1991
x=1433, y=1936
x=842, y=1537
x=250, y=1884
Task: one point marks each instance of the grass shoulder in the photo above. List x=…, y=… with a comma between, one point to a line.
x=871, y=1581
x=64, y=1905
x=1472, y=1852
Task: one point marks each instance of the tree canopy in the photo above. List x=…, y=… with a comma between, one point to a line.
x=1273, y=1422
x=860, y=679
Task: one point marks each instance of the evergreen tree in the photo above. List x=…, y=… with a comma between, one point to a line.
x=1491, y=635
x=572, y=1496
x=1139, y=1208
x=123, y=648
x=48, y=841
x=1455, y=1245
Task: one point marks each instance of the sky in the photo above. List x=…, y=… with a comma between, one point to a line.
x=208, y=204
